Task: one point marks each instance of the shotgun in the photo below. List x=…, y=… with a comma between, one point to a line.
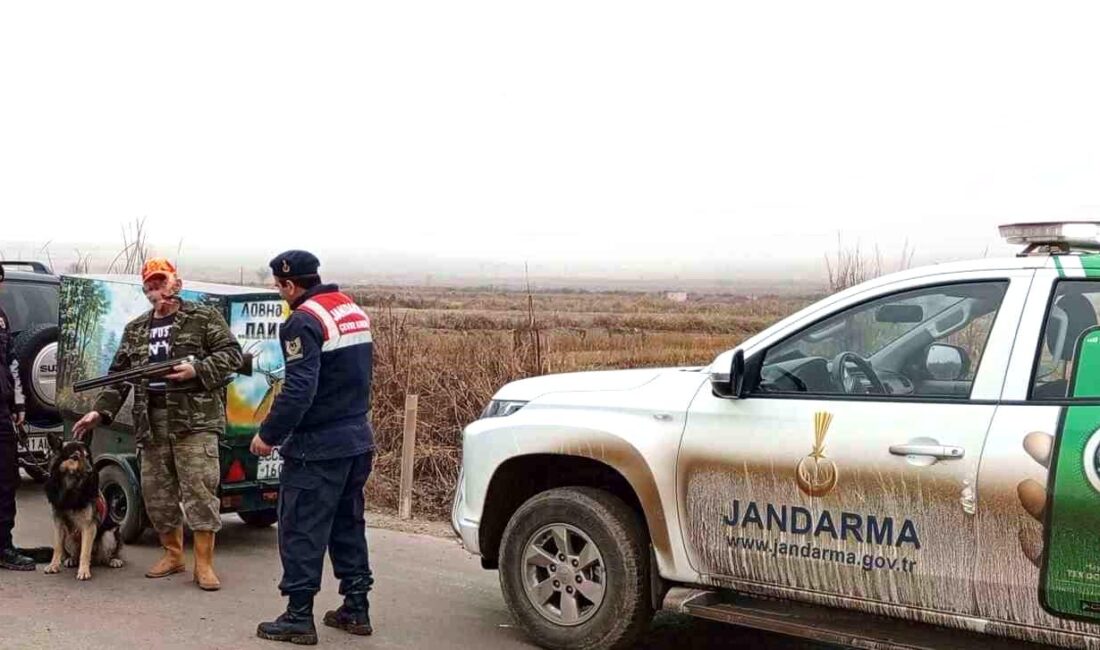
x=151, y=371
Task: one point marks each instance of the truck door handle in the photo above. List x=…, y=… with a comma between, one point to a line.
x=942, y=452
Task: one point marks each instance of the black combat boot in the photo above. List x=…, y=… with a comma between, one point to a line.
x=295, y=625
x=15, y=561
x=40, y=554
x=353, y=616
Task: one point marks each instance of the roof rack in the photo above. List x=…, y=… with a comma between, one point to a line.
x=1054, y=237
x=35, y=267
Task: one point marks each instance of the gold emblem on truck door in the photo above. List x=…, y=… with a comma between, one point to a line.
x=815, y=473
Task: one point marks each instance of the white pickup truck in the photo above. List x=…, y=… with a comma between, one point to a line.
x=911, y=463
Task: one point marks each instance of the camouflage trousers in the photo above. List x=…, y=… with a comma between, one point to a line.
x=180, y=469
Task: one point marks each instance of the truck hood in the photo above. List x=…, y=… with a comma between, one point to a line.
x=526, y=390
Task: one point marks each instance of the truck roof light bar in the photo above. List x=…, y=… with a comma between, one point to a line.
x=1054, y=237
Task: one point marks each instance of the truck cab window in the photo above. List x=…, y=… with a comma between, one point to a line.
x=1072, y=311
x=920, y=343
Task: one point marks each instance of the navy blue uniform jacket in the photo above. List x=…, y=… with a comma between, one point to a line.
x=321, y=412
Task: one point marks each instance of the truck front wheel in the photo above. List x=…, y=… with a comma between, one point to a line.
x=574, y=569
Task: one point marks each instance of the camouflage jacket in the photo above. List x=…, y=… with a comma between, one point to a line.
x=199, y=331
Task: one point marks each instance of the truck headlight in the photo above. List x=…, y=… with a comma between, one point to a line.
x=499, y=408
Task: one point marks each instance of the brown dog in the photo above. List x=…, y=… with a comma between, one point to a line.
x=83, y=533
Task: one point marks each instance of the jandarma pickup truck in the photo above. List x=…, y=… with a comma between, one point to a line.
x=911, y=463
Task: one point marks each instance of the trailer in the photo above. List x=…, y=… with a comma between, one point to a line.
x=94, y=309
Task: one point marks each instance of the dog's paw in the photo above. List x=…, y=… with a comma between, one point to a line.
x=53, y=568
x=116, y=563
x=70, y=562
x=84, y=574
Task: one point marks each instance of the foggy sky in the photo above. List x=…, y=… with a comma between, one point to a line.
x=610, y=138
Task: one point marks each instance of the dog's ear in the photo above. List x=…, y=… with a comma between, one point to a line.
x=54, y=441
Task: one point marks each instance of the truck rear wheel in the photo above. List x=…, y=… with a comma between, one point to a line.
x=574, y=569
x=37, y=474
x=124, y=505
x=259, y=518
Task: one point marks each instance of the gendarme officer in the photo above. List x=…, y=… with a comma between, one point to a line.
x=11, y=415
x=319, y=421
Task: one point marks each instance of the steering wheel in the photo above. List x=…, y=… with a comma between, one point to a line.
x=840, y=373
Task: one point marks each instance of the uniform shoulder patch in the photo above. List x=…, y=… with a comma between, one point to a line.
x=293, y=348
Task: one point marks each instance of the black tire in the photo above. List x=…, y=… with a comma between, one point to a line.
x=37, y=474
x=124, y=504
x=618, y=533
x=33, y=350
x=259, y=518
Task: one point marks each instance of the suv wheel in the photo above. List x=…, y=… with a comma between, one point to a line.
x=574, y=569
x=36, y=351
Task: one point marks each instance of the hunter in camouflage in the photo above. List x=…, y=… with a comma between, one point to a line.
x=198, y=330
x=177, y=422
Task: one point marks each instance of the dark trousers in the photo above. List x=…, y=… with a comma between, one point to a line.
x=321, y=506
x=9, y=478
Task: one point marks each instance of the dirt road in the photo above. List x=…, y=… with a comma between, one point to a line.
x=429, y=593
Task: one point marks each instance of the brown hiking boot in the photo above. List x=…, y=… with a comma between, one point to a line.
x=172, y=560
x=204, y=561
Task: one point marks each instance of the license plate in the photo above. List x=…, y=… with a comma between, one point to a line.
x=270, y=466
x=38, y=444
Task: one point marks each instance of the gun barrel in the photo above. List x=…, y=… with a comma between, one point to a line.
x=147, y=371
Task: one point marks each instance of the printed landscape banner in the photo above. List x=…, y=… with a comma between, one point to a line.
x=94, y=311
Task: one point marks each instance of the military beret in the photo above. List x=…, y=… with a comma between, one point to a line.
x=292, y=264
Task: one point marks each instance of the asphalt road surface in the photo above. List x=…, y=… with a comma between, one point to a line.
x=429, y=593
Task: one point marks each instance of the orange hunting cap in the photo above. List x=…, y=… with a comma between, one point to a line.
x=157, y=266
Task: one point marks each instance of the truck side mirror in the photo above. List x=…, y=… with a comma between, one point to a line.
x=945, y=362
x=730, y=385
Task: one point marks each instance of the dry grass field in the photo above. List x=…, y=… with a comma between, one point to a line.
x=455, y=348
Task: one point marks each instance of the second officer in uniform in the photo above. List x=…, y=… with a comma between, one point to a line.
x=11, y=415
x=319, y=421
